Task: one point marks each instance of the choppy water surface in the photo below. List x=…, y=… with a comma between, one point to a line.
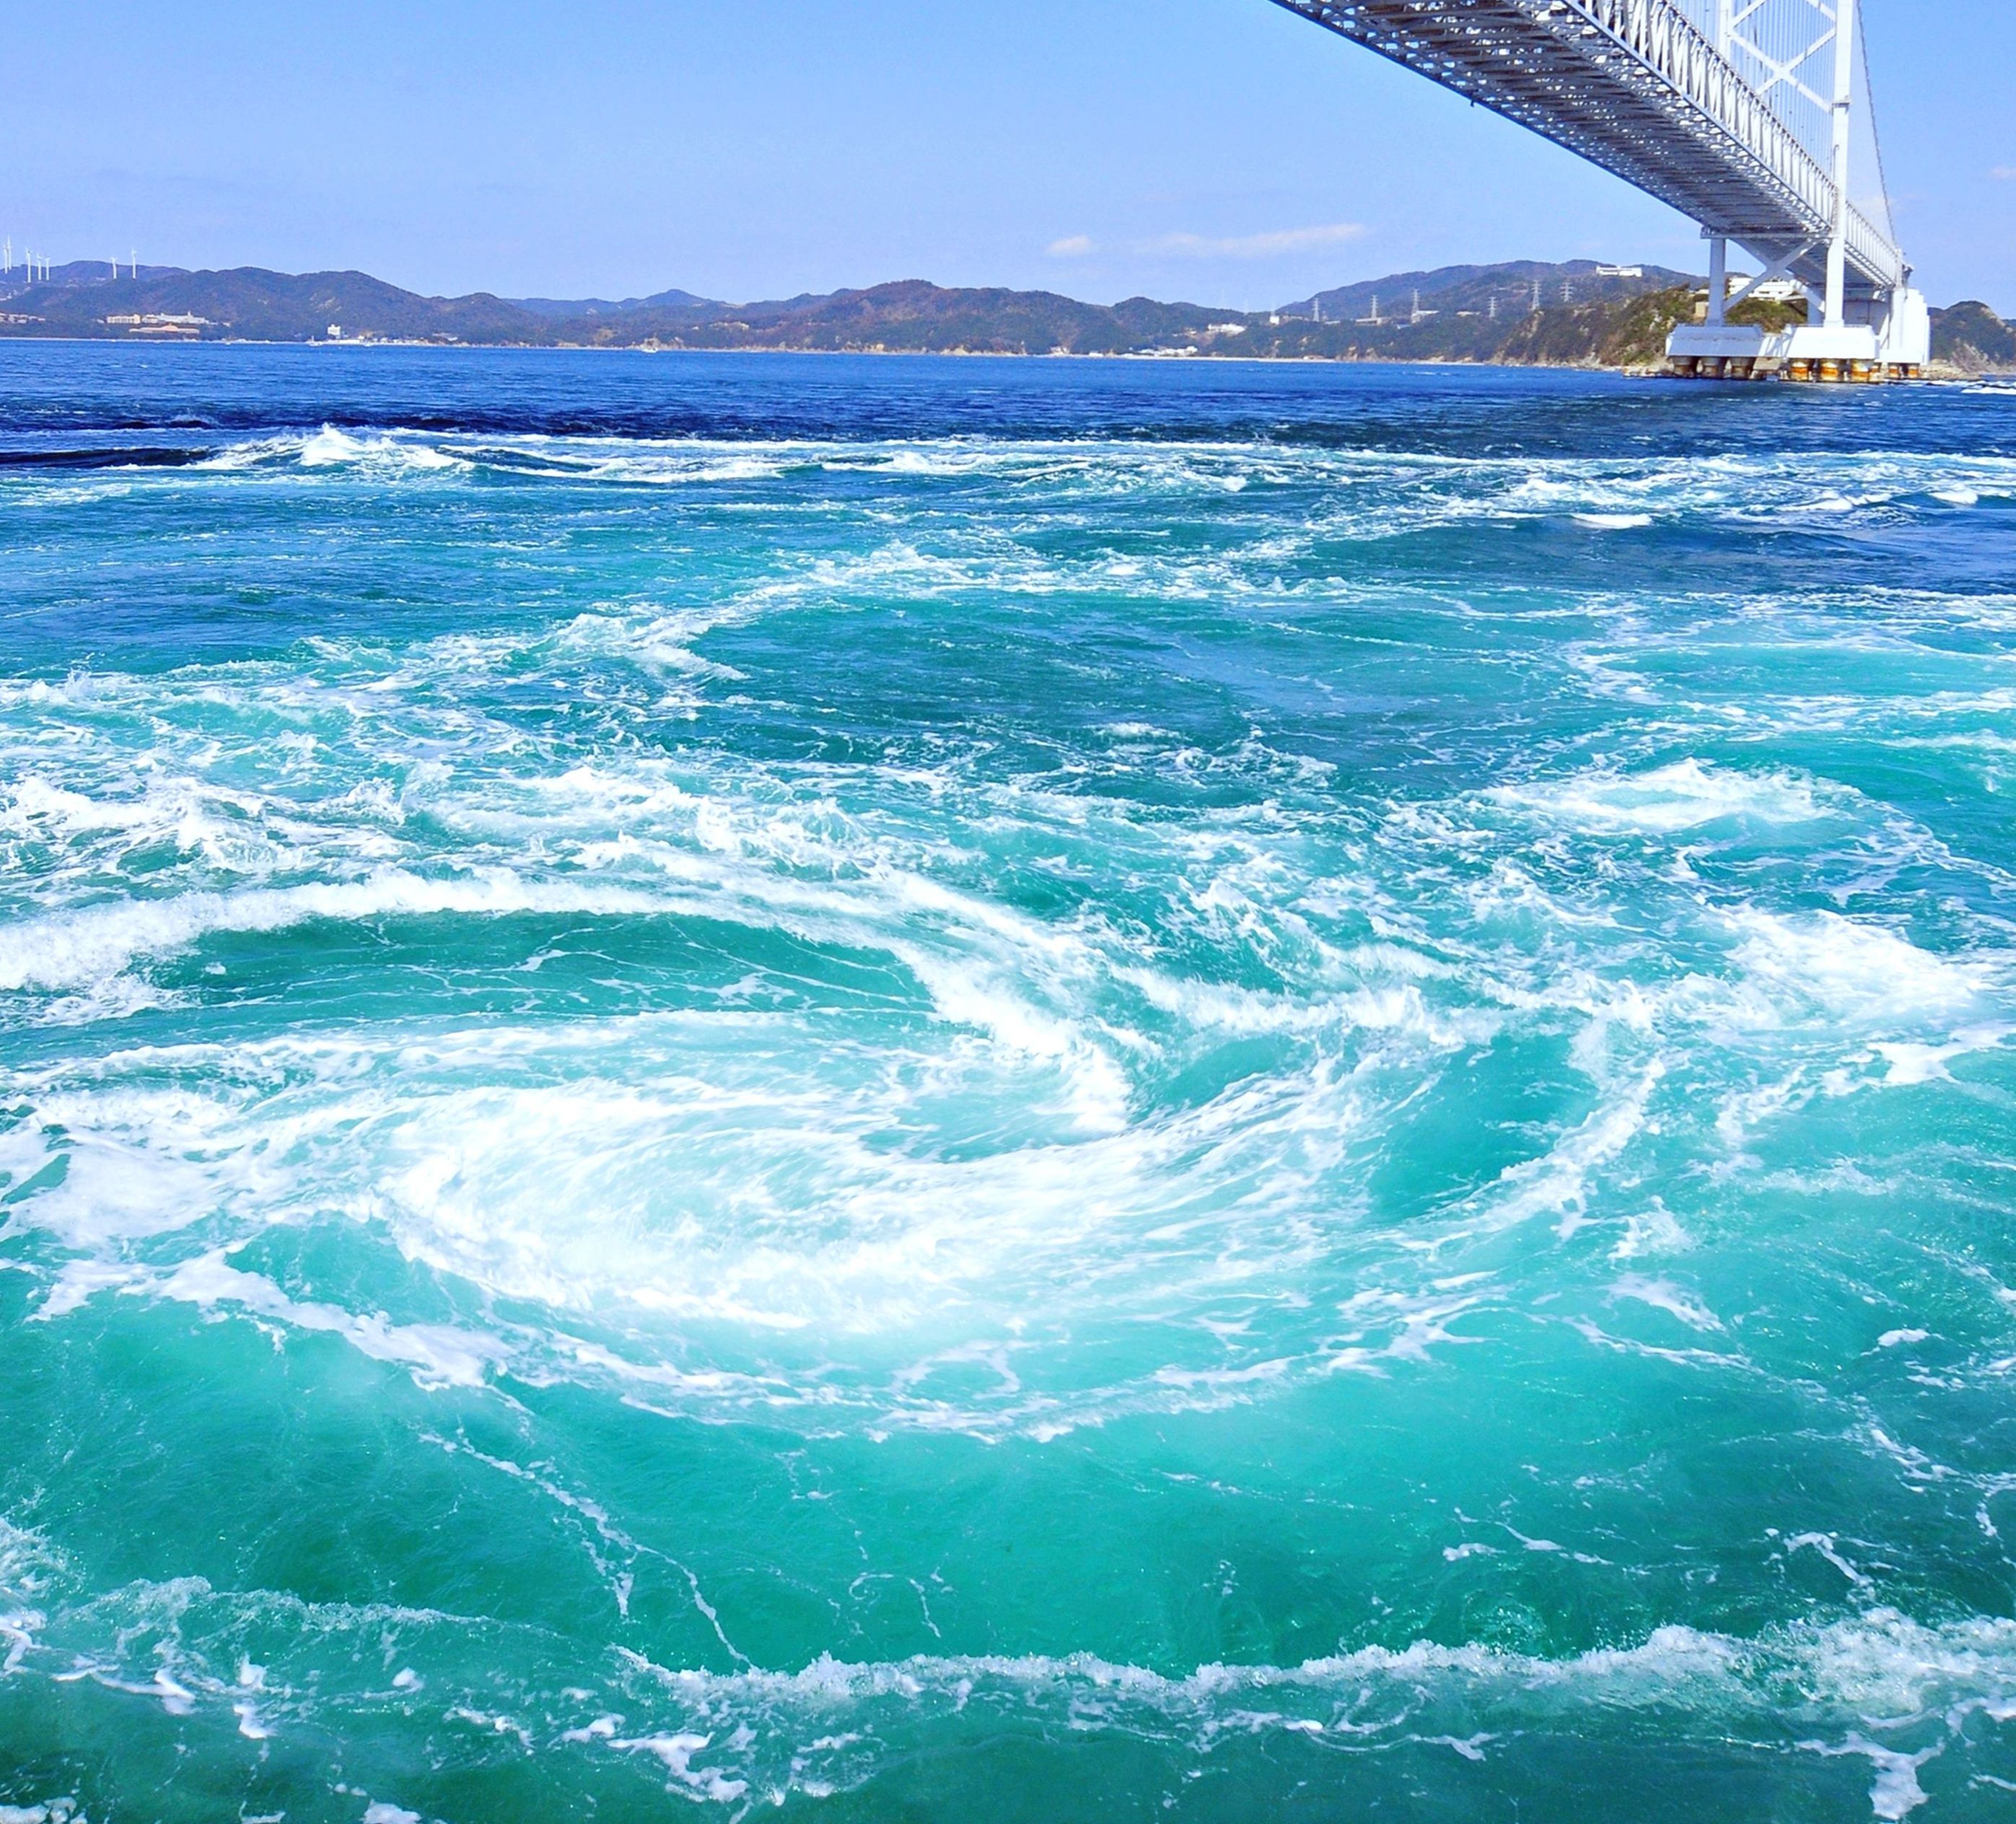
x=980, y=1090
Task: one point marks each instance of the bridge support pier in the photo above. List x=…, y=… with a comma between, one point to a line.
x=1718, y=280
x=1888, y=336
x=1894, y=349
x=1844, y=95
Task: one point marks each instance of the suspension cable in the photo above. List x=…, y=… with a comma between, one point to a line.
x=1869, y=83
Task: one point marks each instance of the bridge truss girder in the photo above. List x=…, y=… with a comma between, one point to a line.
x=1635, y=86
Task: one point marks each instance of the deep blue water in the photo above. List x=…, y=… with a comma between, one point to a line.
x=978, y=1089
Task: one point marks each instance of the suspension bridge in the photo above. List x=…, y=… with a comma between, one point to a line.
x=1753, y=118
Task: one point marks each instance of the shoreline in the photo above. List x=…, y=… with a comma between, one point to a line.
x=1937, y=372
x=1169, y=359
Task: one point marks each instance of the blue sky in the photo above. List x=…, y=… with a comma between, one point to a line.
x=1220, y=150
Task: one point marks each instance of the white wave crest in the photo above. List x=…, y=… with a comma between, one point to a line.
x=73, y=948
x=1686, y=794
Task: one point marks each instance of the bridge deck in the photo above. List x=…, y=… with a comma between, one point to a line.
x=1635, y=86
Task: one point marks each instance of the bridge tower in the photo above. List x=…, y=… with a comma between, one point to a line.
x=1750, y=118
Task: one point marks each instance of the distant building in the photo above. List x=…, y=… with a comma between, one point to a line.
x=1620, y=271
x=161, y=324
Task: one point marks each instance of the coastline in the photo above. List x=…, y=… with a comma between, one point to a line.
x=1147, y=356
x=1575, y=315
x=1938, y=373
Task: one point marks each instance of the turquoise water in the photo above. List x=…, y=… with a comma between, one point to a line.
x=983, y=1090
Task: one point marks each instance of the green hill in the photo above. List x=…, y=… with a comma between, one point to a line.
x=1971, y=337
x=249, y=304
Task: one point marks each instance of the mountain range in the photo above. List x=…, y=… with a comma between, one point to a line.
x=1576, y=312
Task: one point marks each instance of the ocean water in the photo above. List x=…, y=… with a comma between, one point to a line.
x=981, y=1090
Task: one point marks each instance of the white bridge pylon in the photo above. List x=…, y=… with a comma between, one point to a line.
x=1751, y=116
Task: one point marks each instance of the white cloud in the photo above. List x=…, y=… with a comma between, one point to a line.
x=2006, y=172
x=1196, y=246
x=1256, y=246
